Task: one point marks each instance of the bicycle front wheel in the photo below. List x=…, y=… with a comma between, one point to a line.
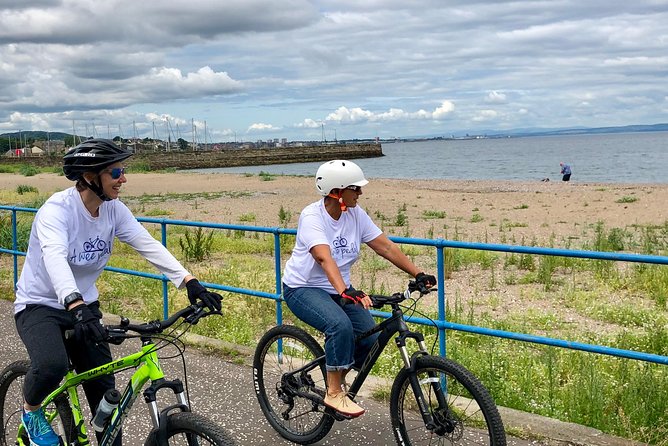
x=290, y=398
x=11, y=405
x=462, y=411
x=187, y=428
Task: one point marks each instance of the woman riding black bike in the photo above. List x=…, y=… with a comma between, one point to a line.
x=71, y=241
x=316, y=282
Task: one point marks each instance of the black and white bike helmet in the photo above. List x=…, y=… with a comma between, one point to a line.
x=338, y=174
x=92, y=155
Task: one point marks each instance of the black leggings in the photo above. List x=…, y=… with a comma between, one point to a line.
x=41, y=329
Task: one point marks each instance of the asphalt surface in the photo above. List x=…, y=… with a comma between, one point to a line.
x=223, y=392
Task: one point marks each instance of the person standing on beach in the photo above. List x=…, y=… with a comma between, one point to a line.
x=565, y=171
x=317, y=285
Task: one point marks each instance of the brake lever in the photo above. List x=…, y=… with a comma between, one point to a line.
x=199, y=313
x=116, y=339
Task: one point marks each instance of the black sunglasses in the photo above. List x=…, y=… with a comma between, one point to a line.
x=354, y=188
x=116, y=172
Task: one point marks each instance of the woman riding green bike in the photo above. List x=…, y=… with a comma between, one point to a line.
x=316, y=281
x=71, y=241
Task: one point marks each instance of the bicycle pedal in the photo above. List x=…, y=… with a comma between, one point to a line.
x=344, y=417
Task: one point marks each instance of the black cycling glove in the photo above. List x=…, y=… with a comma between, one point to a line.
x=87, y=326
x=354, y=296
x=197, y=292
x=424, y=281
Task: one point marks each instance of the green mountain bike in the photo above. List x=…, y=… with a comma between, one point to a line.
x=433, y=401
x=173, y=425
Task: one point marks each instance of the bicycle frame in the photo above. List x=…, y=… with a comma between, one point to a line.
x=148, y=369
x=387, y=329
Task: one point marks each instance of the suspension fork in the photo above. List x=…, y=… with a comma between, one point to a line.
x=433, y=379
x=150, y=397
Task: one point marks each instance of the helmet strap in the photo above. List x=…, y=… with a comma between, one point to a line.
x=97, y=189
x=339, y=198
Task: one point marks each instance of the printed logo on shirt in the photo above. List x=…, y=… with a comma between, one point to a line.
x=93, y=250
x=340, y=242
x=340, y=248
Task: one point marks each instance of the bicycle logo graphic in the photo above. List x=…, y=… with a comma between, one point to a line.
x=94, y=245
x=340, y=242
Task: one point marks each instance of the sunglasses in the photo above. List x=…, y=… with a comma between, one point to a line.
x=116, y=172
x=354, y=188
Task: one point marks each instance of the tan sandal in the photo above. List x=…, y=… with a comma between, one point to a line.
x=343, y=404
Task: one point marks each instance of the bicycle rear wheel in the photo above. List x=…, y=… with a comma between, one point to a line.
x=187, y=428
x=280, y=352
x=11, y=405
x=462, y=410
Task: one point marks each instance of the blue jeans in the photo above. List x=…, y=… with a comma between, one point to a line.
x=340, y=325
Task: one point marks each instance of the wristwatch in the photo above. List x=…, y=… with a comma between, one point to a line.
x=71, y=298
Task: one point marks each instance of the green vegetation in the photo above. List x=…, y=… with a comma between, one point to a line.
x=284, y=217
x=23, y=189
x=627, y=199
x=157, y=212
x=196, y=245
x=266, y=176
x=430, y=214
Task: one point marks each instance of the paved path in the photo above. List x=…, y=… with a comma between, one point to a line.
x=223, y=391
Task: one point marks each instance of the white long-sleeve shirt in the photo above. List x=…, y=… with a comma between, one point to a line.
x=69, y=248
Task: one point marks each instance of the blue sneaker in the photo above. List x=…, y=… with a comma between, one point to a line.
x=39, y=430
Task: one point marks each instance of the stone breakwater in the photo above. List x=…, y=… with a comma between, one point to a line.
x=229, y=157
x=256, y=157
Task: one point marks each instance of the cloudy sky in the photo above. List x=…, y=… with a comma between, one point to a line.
x=298, y=69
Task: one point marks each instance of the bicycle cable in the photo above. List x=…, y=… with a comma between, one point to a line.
x=412, y=309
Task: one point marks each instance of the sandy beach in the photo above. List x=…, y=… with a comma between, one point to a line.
x=489, y=211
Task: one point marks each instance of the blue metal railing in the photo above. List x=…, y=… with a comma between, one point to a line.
x=441, y=323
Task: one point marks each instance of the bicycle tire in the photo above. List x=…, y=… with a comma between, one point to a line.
x=11, y=405
x=470, y=415
x=187, y=428
x=311, y=422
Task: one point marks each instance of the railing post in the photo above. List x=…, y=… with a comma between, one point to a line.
x=440, y=266
x=15, y=247
x=165, y=290
x=277, y=269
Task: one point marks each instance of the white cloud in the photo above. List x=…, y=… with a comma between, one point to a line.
x=261, y=127
x=345, y=115
x=443, y=110
x=495, y=97
x=309, y=124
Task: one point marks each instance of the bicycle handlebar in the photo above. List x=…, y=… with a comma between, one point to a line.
x=379, y=300
x=117, y=333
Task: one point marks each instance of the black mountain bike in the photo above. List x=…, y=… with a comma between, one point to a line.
x=433, y=400
x=173, y=425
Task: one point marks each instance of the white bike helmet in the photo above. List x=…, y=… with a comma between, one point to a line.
x=338, y=174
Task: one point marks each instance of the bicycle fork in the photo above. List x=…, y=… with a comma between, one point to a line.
x=416, y=384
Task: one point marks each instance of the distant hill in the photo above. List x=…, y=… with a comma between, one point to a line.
x=585, y=130
x=37, y=135
x=491, y=133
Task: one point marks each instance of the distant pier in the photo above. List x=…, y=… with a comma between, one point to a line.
x=206, y=159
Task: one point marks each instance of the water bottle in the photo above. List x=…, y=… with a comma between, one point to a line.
x=107, y=405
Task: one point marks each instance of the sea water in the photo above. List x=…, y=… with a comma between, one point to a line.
x=604, y=158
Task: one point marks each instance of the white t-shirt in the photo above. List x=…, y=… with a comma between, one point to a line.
x=343, y=236
x=69, y=248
